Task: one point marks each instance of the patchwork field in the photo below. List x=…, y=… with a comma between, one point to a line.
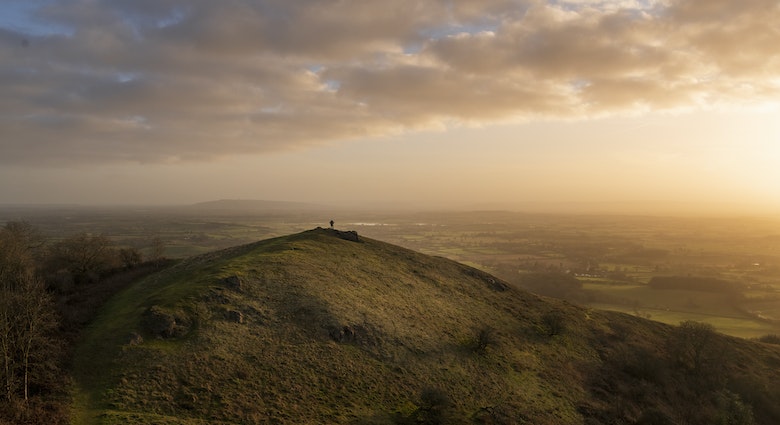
x=613, y=257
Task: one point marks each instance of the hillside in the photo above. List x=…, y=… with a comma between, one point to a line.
x=319, y=327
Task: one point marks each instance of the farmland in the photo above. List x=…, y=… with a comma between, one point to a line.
x=612, y=257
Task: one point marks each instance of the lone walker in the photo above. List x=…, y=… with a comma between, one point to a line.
x=331, y=224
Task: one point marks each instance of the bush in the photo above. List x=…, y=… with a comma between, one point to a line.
x=639, y=363
x=433, y=408
x=733, y=411
x=485, y=337
x=553, y=323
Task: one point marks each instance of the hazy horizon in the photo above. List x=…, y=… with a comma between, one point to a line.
x=351, y=208
x=624, y=106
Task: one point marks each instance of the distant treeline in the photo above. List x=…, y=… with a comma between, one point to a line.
x=694, y=283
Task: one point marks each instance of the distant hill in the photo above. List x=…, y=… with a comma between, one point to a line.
x=242, y=205
x=326, y=327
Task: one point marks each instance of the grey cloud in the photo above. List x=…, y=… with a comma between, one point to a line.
x=168, y=80
x=416, y=95
x=740, y=38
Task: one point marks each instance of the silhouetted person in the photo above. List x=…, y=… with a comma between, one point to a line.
x=331, y=224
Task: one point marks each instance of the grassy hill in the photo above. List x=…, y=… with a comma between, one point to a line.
x=318, y=327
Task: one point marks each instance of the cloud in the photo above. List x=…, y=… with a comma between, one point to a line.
x=172, y=80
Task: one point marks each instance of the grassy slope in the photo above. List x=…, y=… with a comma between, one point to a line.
x=411, y=322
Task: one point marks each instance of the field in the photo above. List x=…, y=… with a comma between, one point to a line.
x=613, y=256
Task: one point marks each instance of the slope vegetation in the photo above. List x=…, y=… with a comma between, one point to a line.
x=323, y=327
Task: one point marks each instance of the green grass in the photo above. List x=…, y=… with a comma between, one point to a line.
x=728, y=314
x=743, y=328
x=336, y=331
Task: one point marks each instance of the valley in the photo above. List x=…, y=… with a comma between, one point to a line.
x=613, y=257
x=187, y=316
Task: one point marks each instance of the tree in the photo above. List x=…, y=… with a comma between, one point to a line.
x=27, y=317
x=20, y=243
x=130, y=257
x=157, y=250
x=27, y=321
x=696, y=348
x=84, y=257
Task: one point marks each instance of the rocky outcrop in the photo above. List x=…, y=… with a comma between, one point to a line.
x=163, y=323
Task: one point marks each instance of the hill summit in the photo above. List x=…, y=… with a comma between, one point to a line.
x=324, y=326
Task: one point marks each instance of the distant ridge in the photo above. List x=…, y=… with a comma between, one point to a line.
x=255, y=205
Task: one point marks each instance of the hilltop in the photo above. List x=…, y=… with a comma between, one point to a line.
x=326, y=326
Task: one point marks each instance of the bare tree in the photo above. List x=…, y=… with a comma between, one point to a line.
x=697, y=349
x=7, y=343
x=157, y=250
x=84, y=256
x=27, y=317
x=27, y=320
x=130, y=257
x=19, y=244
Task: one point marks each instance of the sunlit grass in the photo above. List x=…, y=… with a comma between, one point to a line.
x=406, y=322
x=728, y=314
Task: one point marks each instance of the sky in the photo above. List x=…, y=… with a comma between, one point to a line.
x=514, y=104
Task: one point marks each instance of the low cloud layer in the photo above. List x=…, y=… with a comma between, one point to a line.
x=88, y=81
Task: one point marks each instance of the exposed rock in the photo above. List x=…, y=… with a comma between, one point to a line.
x=216, y=296
x=343, y=334
x=497, y=285
x=164, y=324
x=349, y=235
x=135, y=339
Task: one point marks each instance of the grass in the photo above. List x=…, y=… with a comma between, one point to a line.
x=743, y=328
x=728, y=314
x=396, y=308
x=336, y=331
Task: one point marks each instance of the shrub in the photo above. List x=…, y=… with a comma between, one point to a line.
x=733, y=411
x=433, y=407
x=485, y=337
x=553, y=323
